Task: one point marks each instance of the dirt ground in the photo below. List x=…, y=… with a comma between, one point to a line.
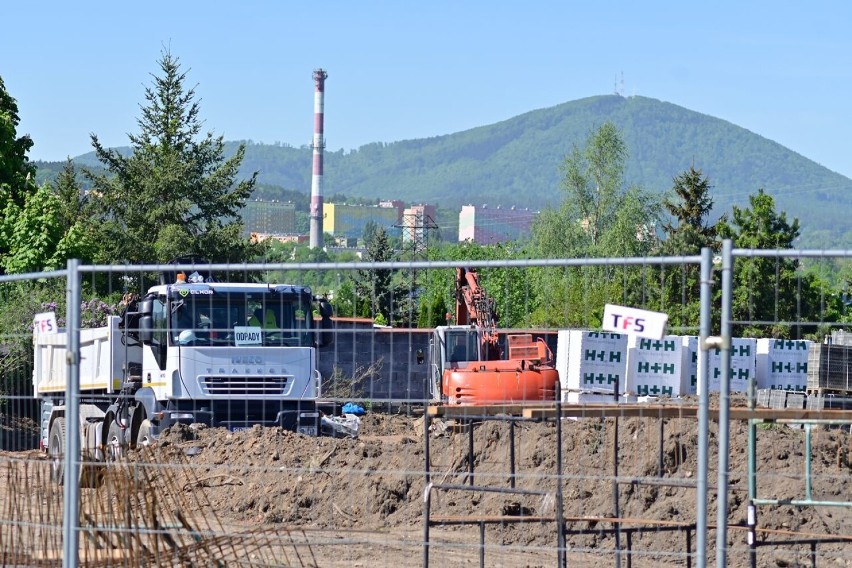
x=360, y=502
x=269, y=478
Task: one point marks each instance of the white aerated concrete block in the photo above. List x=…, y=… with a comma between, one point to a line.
x=782, y=364
x=654, y=366
x=743, y=365
x=596, y=362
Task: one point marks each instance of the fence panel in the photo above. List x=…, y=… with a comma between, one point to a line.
x=197, y=422
x=782, y=308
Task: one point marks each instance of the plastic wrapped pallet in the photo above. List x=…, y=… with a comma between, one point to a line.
x=689, y=365
x=830, y=368
x=654, y=366
x=743, y=364
x=596, y=361
x=782, y=364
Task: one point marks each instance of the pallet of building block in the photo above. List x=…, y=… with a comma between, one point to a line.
x=777, y=398
x=741, y=370
x=595, y=362
x=830, y=367
x=821, y=400
x=763, y=397
x=782, y=364
x=796, y=399
x=841, y=337
x=654, y=366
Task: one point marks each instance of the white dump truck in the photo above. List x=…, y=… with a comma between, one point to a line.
x=193, y=351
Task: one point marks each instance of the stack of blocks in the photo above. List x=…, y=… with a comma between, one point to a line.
x=782, y=364
x=654, y=366
x=591, y=365
x=742, y=365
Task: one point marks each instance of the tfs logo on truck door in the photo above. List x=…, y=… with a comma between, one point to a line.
x=641, y=323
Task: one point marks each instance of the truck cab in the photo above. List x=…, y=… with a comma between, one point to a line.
x=230, y=355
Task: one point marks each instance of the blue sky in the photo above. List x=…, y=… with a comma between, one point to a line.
x=402, y=70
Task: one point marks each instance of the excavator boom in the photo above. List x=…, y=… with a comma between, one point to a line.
x=475, y=307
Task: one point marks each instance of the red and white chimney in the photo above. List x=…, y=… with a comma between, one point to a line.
x=318, y=146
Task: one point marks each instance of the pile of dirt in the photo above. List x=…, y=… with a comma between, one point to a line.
x=269, y=476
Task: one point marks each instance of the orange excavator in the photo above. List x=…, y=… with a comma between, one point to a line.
x=470, y=368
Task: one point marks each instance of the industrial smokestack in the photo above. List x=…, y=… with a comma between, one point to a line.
x=318, y=146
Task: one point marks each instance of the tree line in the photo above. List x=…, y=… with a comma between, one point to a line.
x=175, y=194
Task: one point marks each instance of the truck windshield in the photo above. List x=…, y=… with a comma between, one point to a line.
x=241, y=319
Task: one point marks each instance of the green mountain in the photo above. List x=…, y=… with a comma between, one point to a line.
x=516, y=163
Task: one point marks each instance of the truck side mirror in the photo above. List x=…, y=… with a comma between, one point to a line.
x=145, y=306
x=146, y=329
x=326, y=325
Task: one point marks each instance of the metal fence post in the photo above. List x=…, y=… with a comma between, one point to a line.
x=724, y=406
x=703, y=409
x=71, y=515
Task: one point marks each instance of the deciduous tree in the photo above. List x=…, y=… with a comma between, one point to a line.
x=17, y=174
x=600, y=216
x=37, y=238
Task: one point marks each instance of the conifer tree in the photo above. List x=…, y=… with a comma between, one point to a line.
x=690, y=209
x=769, y=289
x=175, y=193
x=686, y=233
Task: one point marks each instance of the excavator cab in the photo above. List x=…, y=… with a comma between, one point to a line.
x=462, y=345
x=451, y=347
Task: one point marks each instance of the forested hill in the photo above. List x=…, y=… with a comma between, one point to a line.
x=516, y=162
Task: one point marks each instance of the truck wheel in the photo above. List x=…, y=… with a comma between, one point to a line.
x=116, y=444
x=143, y=437
x=56, y=451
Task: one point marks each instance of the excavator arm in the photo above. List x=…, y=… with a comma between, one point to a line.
x=475, y=307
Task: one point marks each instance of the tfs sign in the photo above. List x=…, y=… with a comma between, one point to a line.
x=45, y=323
x=640, y=323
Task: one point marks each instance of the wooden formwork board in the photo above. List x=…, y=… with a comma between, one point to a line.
x=549, y=411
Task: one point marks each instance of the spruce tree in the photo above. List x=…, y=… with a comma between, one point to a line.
x=686, y=233
x=174, y=194
x=17, y=174
x=690, y=209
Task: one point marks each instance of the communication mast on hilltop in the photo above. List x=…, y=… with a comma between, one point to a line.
x=619, y=84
